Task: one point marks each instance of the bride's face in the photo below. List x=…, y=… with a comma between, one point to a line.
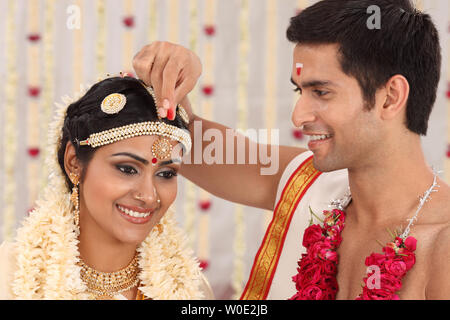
x=122, y=194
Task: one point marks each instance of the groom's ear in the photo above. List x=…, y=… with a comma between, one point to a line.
x=397, y=93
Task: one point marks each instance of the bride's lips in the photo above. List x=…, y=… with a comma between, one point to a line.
x=141, y=215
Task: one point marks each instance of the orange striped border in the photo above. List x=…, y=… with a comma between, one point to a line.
x=267, y=258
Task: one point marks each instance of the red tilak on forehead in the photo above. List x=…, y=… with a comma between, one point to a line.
x=299, y=67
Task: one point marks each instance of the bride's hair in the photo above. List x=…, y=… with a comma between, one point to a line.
x=85, y=117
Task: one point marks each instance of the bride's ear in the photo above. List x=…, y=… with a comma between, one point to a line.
x=71, y=162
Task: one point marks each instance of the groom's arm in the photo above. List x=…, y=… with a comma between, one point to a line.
x=253, y=184
x=173, y=71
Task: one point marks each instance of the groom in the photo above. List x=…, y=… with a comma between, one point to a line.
x=366, y=95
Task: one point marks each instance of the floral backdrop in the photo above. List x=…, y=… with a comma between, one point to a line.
x=48, y=48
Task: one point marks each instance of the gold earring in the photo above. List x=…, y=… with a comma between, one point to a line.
x=74, y=197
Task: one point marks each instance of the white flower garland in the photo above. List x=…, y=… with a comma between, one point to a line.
x=47, y=246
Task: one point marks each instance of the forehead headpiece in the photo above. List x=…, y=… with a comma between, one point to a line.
x=161, y=149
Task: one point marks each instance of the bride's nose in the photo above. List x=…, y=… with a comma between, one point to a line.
x=147, y=193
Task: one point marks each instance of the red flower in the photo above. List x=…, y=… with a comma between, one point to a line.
x=409, y=258
x=330, y=268
x=411, y=243
x=297, y=134
x=312, y=292
x=34, y=37
x=375, y=294
x=398, y=242
x=34, y=91
x=128, y=21
x=329, y=255
x=318, y=249
x=334, y=235
x=204, y=264
x=312, y=234
x=389, y=251
x=375, y=259
x=395, y=267
x=210, y=30
x=205, y=205
x=316, y=277
x=208, y=90
x=308, y=275
x=33, y=152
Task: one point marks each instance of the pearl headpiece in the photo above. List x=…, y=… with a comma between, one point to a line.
x=161, y=149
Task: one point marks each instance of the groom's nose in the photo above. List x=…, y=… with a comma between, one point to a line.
x=303, y=112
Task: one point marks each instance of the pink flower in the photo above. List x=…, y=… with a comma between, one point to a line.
x=318, y=249
x=398, y=242
x=328, y=254
x=312, y=235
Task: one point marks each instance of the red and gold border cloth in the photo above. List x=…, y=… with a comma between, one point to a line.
x=266, y=260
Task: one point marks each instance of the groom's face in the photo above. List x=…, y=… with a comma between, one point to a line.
x=331, y=110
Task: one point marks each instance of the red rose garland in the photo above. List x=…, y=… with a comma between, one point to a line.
x=316, y=278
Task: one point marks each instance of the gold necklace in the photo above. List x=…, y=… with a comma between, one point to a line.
x=105, y=285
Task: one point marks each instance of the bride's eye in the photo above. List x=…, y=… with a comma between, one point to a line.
x=167, y=174
x=128, y=170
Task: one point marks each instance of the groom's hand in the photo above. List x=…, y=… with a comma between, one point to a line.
x=171, y=70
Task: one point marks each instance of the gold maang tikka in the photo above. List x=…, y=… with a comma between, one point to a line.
x=74, y=197
x=161, y=148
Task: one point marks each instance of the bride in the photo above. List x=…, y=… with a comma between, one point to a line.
x=102, y=228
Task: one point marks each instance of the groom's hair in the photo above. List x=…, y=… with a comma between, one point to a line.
x=406, y=43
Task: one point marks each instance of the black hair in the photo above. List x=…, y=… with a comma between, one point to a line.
x=406, y=44
x=85, y=117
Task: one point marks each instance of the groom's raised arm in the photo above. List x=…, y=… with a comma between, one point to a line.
x=173, y=71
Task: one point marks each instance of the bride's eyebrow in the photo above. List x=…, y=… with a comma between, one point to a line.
x=131, y=155
x=144, y=161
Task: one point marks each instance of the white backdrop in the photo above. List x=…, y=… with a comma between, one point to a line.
x=247, y=64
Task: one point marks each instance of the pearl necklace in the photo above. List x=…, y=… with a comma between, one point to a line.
x=105, y=285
